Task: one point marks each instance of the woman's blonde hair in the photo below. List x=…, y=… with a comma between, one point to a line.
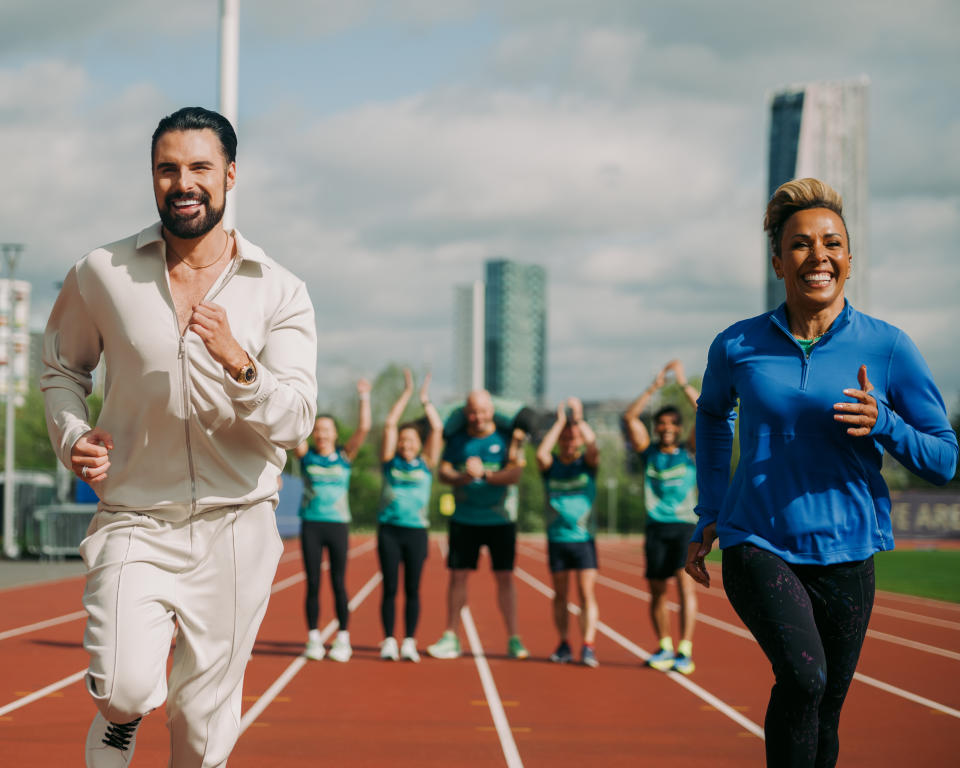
x=799, y=195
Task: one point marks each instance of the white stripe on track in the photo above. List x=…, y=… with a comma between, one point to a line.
x=500, y=722
x=910, y=616
x=67, y=617
x=742, y=632
x=298, y=663
x=636, y=650
x=32, y=697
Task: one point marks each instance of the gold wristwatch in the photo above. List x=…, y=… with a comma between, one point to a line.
x=247, y=374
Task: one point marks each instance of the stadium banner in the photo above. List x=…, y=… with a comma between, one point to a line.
x=925, y=515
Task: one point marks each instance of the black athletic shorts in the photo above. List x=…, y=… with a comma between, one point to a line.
x=666, y=548
x=465, y=542
x=571, y=555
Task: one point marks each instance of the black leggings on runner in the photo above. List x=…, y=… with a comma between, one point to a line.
x=396, y=544
x=314, y=536
x=810, y=621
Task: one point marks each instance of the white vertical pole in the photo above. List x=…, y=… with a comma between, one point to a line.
x=10, y=546
x=229, y=76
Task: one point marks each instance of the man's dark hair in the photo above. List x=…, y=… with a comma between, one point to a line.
x=667, y=409
x=198, y=119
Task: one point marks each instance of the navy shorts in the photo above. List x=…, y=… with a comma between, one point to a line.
x=571, y=555
x=465, y=542
x=666, y=548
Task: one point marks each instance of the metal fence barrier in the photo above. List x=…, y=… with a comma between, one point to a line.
x=56, y=530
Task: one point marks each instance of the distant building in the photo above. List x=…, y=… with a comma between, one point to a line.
x=516, y=330
x=468, y=337
x=820, y=130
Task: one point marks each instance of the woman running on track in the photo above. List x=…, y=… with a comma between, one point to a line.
x=325, y=515
x=807, y=507
x=570, y=480
x=403, y=520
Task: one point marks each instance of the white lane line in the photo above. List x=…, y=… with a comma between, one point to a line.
x=32, y=697
x=910, y=616
x=67, y=617
x=923, y=601
x=742, y=632
x=298, y=663
x=636, y=650
x=907, y=695
x=509, y=746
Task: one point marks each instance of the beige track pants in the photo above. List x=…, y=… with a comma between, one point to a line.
x=211, y=575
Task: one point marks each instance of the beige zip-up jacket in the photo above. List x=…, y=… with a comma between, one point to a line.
x=187, y=437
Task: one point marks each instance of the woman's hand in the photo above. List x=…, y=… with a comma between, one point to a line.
x=696, y=551
x=861, y=415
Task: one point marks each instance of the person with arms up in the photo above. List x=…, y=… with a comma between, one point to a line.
x=823, y=391
x=210, y=350
x=403, y=520
x=325, y=521
x=570, y=484
x=670, y=492
x=483, y=464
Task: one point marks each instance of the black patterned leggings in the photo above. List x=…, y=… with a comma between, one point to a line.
x=396, y=545
x=810, y=621
x=314, y=536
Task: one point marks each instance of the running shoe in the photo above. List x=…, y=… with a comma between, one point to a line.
x=588, y=658
x=563, y=654
x=110, y=745
x=314, y=649
x=683, y=664
x=662, y=660
x=388, y=649
x=515, y=649
x=341, y=650
x=447, y=647
x=408, y=650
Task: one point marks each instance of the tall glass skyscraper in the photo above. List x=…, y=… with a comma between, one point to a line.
x=820, y=130
x=516, y=330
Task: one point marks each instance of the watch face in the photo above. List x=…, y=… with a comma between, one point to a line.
x=249, y=374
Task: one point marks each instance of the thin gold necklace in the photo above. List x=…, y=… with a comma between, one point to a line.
x=202, y=266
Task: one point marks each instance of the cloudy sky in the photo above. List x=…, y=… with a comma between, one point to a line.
x=389, y=147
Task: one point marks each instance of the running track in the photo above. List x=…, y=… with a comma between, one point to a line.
x=485, y=709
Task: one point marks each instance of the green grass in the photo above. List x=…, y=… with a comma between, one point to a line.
x=925, y=573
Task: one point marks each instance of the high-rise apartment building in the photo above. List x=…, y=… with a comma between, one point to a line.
x=468, y=336
x=516, y=330
x=820, y=130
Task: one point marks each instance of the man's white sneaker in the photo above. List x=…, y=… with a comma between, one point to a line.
x=341, y=650
x=388, y=649
x=314, y=649
x=110, y=745
x=408, y=650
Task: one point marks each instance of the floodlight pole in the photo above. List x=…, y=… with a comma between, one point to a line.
x=229, y=48
x=11, y=548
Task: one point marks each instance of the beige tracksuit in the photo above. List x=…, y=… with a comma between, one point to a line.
x=185, y=528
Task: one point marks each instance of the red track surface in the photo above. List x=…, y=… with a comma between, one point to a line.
x=436, y=713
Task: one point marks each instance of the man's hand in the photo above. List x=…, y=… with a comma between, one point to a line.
x=474, y=468
x=89, y=457
x=209, y=322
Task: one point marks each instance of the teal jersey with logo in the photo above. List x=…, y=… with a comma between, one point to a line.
x=406, y=493
x=326, y=480
x=479, y=503
x=670, y=487
x=571, y=490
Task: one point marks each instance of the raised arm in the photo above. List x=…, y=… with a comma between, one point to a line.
x=363, y=421
x=301, y=450
x=434, y=441
x=636, y=431
x=388, y=446
x=549, y=442
x=691, y=394
x=591, y=453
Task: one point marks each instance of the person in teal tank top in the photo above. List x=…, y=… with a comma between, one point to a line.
x=570, y=485
x=403, y=518
x=325, y=520
x=670, y=494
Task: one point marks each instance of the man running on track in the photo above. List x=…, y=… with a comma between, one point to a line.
x=210, y=349
x=483, y=464
x=570, y=481
x=325, y=521
x=670, y=489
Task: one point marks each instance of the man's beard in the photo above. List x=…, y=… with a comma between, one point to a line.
x=195, y=226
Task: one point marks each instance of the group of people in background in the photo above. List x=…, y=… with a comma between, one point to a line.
x=210, y=348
